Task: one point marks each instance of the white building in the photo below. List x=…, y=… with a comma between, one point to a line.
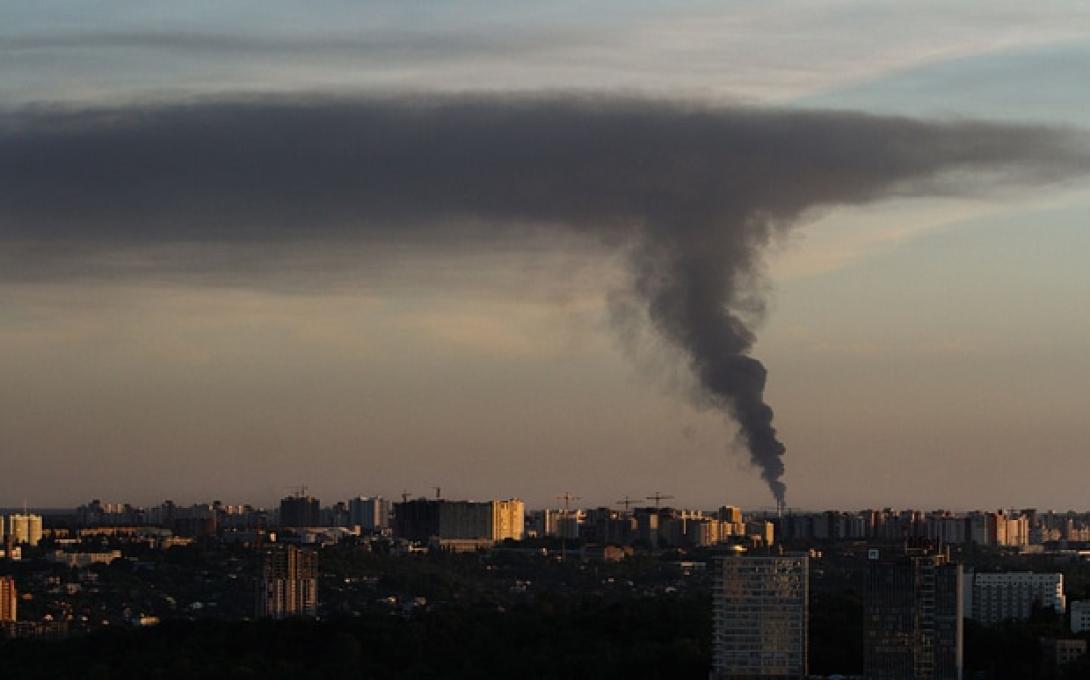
x=993, y=598
x=25, y=529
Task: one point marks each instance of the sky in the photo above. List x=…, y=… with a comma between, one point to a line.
x=176, y=325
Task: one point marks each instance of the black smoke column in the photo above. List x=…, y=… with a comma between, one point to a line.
x=695, y=192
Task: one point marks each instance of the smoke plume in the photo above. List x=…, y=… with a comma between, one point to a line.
x=694, y=191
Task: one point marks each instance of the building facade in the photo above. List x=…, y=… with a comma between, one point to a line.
x=25, y=529
x=424, y=519
x=9, y=600
x=369, y=513
x=508, y=520
x=761, y=609
x=289, y=583
x=1080, y=616
x=300, y=511
x=912, y=627
x=994, y=598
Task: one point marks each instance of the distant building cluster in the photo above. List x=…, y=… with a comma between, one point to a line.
x=296, y=512
x=653, y=527
x=914, y=597
x=198, y=520
x=1003, y=528
x=982, y=528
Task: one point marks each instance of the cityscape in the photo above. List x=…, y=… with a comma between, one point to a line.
x=858, y=594
x=666, y=339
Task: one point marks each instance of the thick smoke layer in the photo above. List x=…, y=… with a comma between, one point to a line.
x=694, y=191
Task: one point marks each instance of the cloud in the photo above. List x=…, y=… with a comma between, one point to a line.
x=378, y=45
x=692, y=192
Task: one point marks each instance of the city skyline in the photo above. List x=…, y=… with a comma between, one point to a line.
x=196, y=335
x=560, y=502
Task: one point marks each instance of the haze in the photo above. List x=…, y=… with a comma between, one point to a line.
x=920, y=351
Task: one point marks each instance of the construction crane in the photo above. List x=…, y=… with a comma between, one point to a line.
x=405, y=495
x=298, y=491
x=627, y=502
x=658, y=498
x=567, y=498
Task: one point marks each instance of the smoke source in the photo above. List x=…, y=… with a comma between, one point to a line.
x=694, y=191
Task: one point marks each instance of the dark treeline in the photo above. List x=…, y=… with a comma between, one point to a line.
x=578, y=620
x=647, y=638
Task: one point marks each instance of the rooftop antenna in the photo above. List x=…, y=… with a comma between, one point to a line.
x=658, y=498
x=437, y=494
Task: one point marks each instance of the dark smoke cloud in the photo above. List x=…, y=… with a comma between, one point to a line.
x=694, y=191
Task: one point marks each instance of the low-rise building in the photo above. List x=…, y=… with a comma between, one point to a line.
x=82, y=560
x=1057, y=653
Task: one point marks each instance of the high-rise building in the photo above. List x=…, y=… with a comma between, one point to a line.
x=289, y=583
x=994, y=598
x=648, y=525
x=416, y=520
x=300, y=511
x=606, y=525
x=465, y=520
x=912, y=627
x=8, y=599
x=25, y=529
x=761, y=605
x=508, y=520
x=369, y=513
